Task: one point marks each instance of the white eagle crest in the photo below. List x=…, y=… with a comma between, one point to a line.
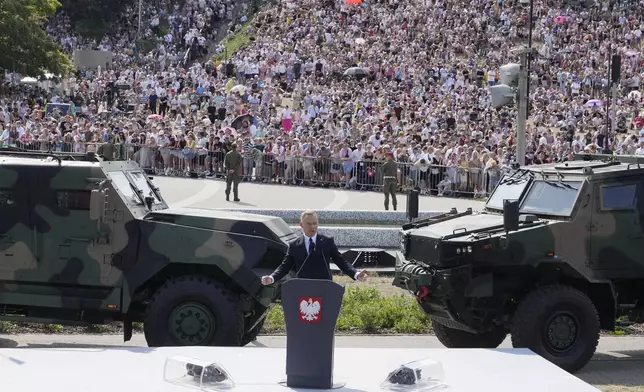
x=309, y=310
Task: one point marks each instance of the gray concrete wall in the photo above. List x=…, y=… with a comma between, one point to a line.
x=92, y=59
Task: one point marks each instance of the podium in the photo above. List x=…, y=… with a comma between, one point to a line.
x=311, y=309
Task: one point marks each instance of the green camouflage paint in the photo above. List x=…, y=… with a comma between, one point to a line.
x=57, y=263
x=582, y=231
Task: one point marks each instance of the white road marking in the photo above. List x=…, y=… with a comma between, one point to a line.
x=340, y=199
x=615, y=355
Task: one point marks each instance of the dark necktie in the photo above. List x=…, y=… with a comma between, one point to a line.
x=311, y=246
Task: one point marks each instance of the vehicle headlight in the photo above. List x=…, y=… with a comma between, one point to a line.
x=463, y=249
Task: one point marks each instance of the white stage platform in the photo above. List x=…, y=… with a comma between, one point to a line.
x=261, y=369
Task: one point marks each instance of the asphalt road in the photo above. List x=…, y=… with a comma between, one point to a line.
x=209, y=193
x=618, y=363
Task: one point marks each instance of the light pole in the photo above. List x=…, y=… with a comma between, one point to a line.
x=140, y=8
x=515, y=85
x=522, y=105
x=530, y=16
x=524, y=89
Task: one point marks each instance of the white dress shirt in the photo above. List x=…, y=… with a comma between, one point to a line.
x=307, y=241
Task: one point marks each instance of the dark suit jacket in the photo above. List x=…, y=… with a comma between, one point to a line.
x=315, y=266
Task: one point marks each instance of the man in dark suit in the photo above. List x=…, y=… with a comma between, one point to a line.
x=309, y=255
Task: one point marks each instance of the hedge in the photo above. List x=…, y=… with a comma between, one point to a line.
x=366, y=310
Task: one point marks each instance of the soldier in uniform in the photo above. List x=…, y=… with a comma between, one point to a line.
x=232, y=165
x=390, y=180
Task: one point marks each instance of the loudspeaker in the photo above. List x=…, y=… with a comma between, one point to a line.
x=615, y=68
x=509, y=74
x=501, y=95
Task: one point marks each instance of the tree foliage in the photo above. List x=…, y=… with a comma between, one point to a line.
x=94, y=18
x=24, y=45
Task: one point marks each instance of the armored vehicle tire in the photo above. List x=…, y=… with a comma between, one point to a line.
x=193, y=311
x=559, y=323
x=455, y=338
x=251, y=335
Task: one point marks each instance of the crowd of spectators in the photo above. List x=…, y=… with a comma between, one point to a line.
x=325, y=88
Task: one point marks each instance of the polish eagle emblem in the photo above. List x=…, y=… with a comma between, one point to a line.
x=310, y=309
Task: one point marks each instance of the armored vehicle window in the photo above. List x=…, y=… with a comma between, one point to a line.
x=120, y=181
x=6, y=197
x=74, y=200
x=618, y=197
x=141, y=182
x=551, y=198
x=509, y=188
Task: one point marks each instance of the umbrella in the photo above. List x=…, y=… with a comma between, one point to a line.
x=230, y=131
x=154, y=117
x=29, y=80
x=360, y=41
x=239, y=88
x=237, y=123
x=595, y=102
x=356, y=71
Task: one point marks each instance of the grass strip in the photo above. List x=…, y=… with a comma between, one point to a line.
x=235, y=42
x=366, y=310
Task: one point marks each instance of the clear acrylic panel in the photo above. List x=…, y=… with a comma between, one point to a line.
x=422, y=375
x=197, y=374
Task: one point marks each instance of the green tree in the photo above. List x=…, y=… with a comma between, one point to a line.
x=94, y=18
x=24, y=45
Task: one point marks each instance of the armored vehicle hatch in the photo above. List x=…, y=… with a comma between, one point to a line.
x=580, y=165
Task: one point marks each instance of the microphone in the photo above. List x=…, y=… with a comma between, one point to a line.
x=326, y=263
x=297, y=274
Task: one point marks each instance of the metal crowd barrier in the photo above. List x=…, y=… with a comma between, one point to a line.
x=53, y=146
x=294, y=170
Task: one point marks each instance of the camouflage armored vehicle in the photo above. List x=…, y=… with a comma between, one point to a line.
x=556, y=254
x=90, y=242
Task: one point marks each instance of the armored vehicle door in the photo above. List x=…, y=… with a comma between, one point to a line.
x=125, y=228
x=16, y=234
x=73, y=251
x=616, y=230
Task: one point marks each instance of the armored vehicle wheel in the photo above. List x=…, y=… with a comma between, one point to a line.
x=193, y=311
x=559, y=323
x=455, y=338
x=251, y=336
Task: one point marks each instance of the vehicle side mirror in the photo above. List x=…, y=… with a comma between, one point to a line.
x=97, y=204
x=510, y=215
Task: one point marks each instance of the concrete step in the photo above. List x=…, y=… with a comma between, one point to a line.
x=361, y=236
x=343, y=217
